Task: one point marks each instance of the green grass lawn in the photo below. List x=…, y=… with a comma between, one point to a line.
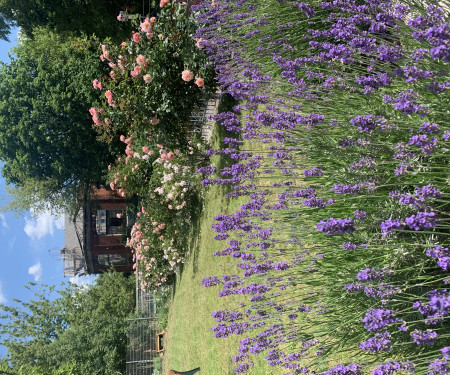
x=189, y=340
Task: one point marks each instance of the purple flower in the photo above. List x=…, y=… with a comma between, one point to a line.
x=424, y=337
x=437, y=308
x=438, y=252
x=427, y=191
x=347, y=189
x=428, y=146
x=210, y=281
x=419, y=54
x=405, y=102
x=349, y=246
x=377, y=319
x=365, y=123
x=381, y=341
x=431, y=128
x=390, y=225
x=309, y=12
x=336, y=226
x=376, y=81
x=314, y=202
x=413, y=74
x=391, y=367
x=403, y=168
x=366, y=162
x=390, y=53
x=371, y=274
x=221, y=237
x=360, y=215
x=354, y=287
x=242, y=368
x=312, y=172
x=441, y=364
x=351, y=369
x=281, y=266
x=421, y=220
x=207, y=170
x=345, y=142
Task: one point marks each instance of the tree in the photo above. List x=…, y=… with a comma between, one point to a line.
x=39, y=196
x=47, y=142
x=80, y=17
x=83, y=329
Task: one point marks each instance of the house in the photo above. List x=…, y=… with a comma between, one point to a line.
x=95, y=238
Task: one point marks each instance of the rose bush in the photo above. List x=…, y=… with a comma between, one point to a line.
x=156, y=79
x=147, y=91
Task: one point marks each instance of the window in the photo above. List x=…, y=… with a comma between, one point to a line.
x=108, y=260
x=110, y=222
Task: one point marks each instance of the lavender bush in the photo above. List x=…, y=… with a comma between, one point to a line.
x=341, y=145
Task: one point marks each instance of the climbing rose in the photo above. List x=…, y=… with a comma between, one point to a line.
x=187, y=75
x=199, y=82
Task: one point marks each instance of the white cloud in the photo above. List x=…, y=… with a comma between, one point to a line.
x=4, y=223
x=83, y=281
x=12, y=242
x=36, y=271
x=42, y=225
x=2, y=295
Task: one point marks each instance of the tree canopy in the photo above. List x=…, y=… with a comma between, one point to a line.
x=80, y=17
x=82, y=329
x=45, y=95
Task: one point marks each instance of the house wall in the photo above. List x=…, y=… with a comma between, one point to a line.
x=108, y=244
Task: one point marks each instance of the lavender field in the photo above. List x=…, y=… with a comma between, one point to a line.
x=339, y=142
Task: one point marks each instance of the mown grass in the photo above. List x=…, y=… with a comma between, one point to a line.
x=190, y=342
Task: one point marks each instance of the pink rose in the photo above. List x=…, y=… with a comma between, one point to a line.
x=145, y=149
x=200, y=82
x=136, y=72
x=146, y=26
x=155, y=121
x=162, y=3
x=136, y=37
x=141, y=60
x=97, y=84
x=147, y=78
x=187, y=75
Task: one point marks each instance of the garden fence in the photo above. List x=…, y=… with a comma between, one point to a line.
x=141, y=345
x=201, y=118
x=141, y=334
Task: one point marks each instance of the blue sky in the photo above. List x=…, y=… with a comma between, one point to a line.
x=29, y=246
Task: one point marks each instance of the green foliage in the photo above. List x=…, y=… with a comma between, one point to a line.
x=48, y=144
x=156, y=81
x=80, y=17
x=39, y=196
x=80, y=330
x=148, y=96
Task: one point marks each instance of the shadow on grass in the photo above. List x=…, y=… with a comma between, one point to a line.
x=227, y=102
